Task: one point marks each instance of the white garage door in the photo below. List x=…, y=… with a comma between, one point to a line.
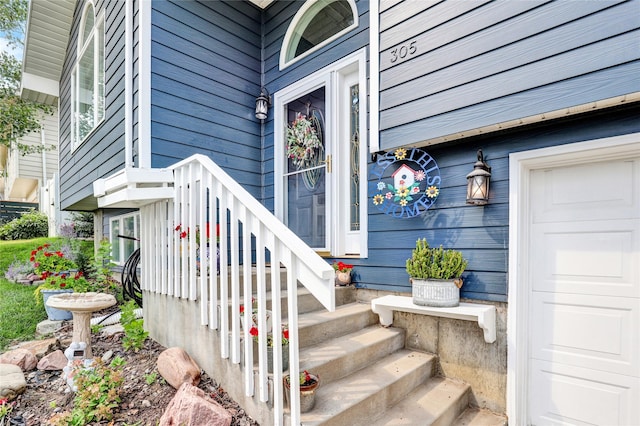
x=584, y=294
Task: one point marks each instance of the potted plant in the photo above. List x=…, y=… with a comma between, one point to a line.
x=435, y=275
x=254, y=315
x=343, y=273
x=56, y=284
x=253, y=331
x=60, y=275
x=308, y=385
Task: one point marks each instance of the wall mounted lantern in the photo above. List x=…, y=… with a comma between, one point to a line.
x=478, y=182
x=262, y=104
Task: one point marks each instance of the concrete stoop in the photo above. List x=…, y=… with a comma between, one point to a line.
x=368, y=378
x=478, y=417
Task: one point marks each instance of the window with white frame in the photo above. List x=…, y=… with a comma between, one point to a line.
x=317, y=23
x=87, y=78
x=124, y=236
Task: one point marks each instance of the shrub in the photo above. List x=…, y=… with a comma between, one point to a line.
x=434, y=263
x=134, y=334
x=17, y=269
x=33, y=224
x=97, y=396
x=83, y=224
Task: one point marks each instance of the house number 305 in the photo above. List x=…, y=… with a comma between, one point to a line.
x=403, y=51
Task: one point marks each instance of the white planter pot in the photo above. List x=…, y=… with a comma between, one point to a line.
x=438, y=293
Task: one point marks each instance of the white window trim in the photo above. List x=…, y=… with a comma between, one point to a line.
x=521, y=165
x=122, y=258
x=75, y=89
x=318, y=79
x=298, y=19
x=374, y=76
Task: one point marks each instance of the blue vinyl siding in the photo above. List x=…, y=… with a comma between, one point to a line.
x=205, y=78
x=481, y=233
x=481, y=63
x=102, y=154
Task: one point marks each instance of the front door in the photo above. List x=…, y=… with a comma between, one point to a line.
x=320, y=159
x=307, y=169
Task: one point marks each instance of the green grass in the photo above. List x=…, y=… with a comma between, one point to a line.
x=19, y=313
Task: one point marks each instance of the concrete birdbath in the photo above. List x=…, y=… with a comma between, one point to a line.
x=82, y=305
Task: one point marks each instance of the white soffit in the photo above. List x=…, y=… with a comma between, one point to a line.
x=47, y=35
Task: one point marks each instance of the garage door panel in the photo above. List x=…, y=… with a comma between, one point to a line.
x=588, y=331
x=587, y=191
x=598, y=258
x=568, y=395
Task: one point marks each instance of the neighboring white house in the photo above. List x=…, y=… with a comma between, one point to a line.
x=33, y=177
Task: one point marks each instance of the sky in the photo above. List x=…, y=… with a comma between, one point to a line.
x=5, y=48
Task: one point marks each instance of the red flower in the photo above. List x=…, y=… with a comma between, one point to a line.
x=242, y=309
x=183, y=234
x=63, y=276
x=63, y=284
x=285, y=334
x=39, y=248
x=253, y=331
x=47, y=254
x=34, y=252
x=59, y=253
x=32, y=258
x=178, y=227
x=46, y=245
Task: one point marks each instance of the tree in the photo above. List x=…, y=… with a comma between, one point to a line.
x=18, y=117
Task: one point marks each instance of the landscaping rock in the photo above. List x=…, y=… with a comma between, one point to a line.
x=53, y=362
x=12, y=381
x=41, y=347
x=23, y=358
x=177, y=367
x=48, y=327
x=191, y=406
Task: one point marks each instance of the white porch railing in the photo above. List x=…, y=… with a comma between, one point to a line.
x=249, y=235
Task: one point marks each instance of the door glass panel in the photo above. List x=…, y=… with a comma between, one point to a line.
x=354, y=125
x=306, y=168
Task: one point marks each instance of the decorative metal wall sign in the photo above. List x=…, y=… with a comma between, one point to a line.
x=404, y=182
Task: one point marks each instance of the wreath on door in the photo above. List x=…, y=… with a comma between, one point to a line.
x=304, y=147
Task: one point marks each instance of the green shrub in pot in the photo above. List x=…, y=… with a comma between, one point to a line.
x=427, y=264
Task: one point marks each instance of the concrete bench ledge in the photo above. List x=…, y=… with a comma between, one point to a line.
x=485, y=315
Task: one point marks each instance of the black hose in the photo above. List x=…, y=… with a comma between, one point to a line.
x=130, y=283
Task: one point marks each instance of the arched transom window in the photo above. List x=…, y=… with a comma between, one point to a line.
x=317, y=23
x=87, y=78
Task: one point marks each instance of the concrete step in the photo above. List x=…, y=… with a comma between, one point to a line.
x=338, y=357
x=318, y=326
x=437, y=402
x=479, y=417
x=368, y=392
x=307, y=301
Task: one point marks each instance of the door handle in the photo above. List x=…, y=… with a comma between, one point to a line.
x=327, y=161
